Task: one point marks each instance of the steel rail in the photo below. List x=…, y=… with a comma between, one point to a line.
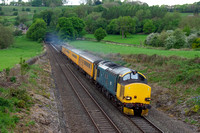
x=144, y=125
x=83, y=104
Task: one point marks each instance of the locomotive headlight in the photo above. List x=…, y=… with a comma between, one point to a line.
x=128, y=98
x=147, y=99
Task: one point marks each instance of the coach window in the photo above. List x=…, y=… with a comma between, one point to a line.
x=74, y=56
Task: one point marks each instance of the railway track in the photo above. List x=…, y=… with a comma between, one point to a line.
x=144, y=125
x=99, y=118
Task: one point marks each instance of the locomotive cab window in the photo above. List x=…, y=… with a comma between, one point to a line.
x=134, y=76
x=126, y=77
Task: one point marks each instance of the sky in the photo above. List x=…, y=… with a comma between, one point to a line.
x=149, y=2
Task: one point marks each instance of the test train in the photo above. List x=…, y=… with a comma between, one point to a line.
x=126, y=88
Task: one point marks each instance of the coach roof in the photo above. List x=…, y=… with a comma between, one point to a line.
x=90, y=57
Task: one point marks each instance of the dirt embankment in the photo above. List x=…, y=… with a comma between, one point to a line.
x=42, y=114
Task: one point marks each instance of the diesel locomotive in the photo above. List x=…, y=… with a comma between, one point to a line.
x=125, y=87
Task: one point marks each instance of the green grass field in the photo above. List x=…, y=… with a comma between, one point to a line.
x=131, y=39
x=101, y=47
x=22, y=47
x=186, y=14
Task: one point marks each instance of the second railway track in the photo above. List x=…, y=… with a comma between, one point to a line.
x=99, y=118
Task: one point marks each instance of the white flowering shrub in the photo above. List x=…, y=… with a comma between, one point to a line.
x=190, y=39
x=170, y=42
x=152, y=39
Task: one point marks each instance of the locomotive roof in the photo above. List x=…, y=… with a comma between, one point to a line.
x=114, y=68
x=90, y=57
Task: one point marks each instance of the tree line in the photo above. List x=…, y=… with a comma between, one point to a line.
x=115, y=17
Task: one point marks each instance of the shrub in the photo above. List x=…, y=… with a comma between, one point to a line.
x=23, y=9
x=152, y=40
x=6, y=37
x=13, y=79
x=17, y=32
x=35, y=11
x=196, y=43
x=161, y=38
x=170, y=41
x=20, y=94
x=187, y=30
x=23, y=66
x=100, y=34
x=15, y=13
x=1, y=13
x=190, y=40
x=14, y=9
x=0, y=8
x=28, y=9
x=180, y=39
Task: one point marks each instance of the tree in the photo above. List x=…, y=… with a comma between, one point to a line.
x=100, y=34
x=37, y=30
x=36, y=3
x=70, y=28
x=171, y=21
x=6, y=37
x=78, y=25
x=126, y=25
x=148, y=27
x=113, y=27
x=65, y=28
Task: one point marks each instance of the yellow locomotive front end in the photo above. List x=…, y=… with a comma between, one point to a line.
x=134, y=94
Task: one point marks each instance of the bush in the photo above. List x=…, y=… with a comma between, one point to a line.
x=196, y=43
x=6, y=37
x=28, y=9
x=17, y=32
x=15, y=13
x=190, y=40
x=161, y=38
x=20, y=94
x=1, y=13
x=180, y=39
x=170, y=42
x=100, y=34
x=0, y=8
x=14, y=9
x=152, y=39
x=23, y=9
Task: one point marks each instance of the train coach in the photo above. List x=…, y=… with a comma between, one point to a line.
x=87, y=62
x=127, y=88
